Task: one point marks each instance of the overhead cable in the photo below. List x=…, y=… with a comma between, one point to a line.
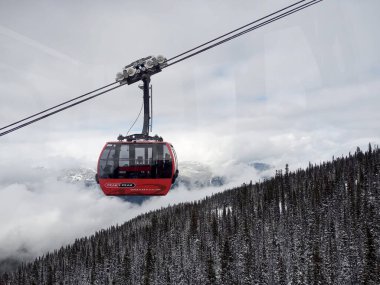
x=56, y=106
x=285, y=14
x=233, y=31
x=57, y=111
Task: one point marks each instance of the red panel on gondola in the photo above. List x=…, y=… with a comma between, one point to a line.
x=137, y=168
x=135, y=186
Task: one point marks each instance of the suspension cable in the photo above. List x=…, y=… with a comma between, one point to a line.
x=56, y=106
x=270, y=20
x=285, y=14
x=233, y=31
x=57, y=111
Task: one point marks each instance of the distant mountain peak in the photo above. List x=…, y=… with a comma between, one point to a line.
x=78, y=175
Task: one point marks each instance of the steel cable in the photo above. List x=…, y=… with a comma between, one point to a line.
x=273, y=19
x=294, y=10
x=56, y=106
x=57, y=111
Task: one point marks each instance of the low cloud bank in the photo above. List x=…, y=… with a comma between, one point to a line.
x=40, y=211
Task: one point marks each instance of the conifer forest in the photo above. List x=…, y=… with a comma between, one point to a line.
x=320, y=225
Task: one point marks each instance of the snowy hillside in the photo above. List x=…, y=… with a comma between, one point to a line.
x=315, y=226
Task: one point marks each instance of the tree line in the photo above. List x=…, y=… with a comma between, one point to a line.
x=320, y=225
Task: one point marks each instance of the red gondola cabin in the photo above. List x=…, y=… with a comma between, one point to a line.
x=137, y=168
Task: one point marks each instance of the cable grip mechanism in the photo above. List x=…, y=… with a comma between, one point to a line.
x=145, y=66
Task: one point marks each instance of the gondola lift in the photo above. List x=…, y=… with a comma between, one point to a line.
x=138, y=164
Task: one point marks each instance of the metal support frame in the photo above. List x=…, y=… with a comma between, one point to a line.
x=146, y=81
x=148, y=113
x=151, y=107
x=140, y=137
x=142, y=70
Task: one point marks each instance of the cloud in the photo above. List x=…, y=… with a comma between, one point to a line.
x=40, y=213
x=30, y=42
x=43, y=215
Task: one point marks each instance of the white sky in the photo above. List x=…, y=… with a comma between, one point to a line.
x=302, y=89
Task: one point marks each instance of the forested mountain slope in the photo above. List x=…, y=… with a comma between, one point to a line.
x=315, y=226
